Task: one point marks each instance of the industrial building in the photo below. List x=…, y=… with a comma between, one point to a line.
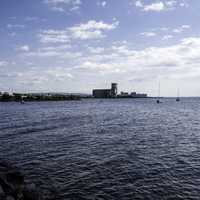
x=106, y=93
x=131, y=95
x=113, y=93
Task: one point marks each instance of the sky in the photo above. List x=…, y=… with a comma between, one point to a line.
x=79, y=45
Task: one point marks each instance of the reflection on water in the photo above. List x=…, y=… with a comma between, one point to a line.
x=110, y=149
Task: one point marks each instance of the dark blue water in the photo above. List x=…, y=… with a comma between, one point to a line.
x=106, y=149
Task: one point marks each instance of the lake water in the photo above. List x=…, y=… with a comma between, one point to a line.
x=106, y=149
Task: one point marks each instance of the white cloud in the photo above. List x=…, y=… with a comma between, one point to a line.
x=185, y=26
x=176, y=62
x=97, y=50
x=59, y=9
x=74, y=8
x=74, y=2
x=184, y=4
x=139, y=4
x=149, y=34
x=92, y=25
x=3, y=63
x=167, y=37
x=39, y=79
x=84, y=35
x=181, y=29
x=102, y=4
x=24, y=48
x=60, y=52
x=90, y=30
x=60, y=74
x=31, y=18
x=63, y=5
x=158, y=6
x=169, y=32
x=164, y=29
x=154, y=62
x=171, y=3
x=56, y=48
x=88, y=65
x=11, y=26
x=56, y=54
x=54, y=36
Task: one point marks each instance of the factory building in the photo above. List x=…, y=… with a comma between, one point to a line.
x=131, y=95
x=106, y=93
x=113, y=93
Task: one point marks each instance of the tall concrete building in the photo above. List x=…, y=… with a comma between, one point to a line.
x=106, y=93
x=114, y=89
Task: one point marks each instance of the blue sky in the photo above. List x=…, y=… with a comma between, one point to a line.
x=78, y=45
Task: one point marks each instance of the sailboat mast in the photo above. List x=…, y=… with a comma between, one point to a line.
x=159, y=90
x=178, y=98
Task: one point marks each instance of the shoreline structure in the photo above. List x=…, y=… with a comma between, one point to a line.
x=96, y=93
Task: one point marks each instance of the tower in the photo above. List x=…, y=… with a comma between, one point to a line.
x=114, y=89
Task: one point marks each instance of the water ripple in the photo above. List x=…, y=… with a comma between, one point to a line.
x=110, y=149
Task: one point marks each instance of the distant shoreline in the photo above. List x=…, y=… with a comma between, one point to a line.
x=17, y=97
x=74, y=99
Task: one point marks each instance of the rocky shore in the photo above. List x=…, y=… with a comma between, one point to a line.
x=13, y=185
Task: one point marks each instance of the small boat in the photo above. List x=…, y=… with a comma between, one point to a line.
x=158, y=99
x=178, y=98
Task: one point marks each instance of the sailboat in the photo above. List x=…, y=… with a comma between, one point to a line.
x=178, y=98
x=158, y=99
